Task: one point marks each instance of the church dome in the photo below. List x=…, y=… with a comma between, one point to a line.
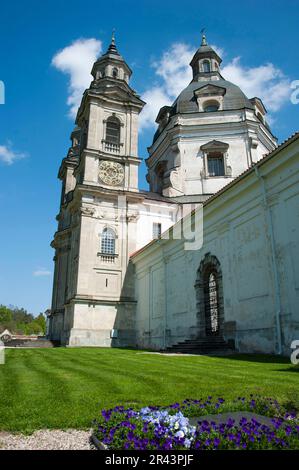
x=208, y=90
x=233, y=97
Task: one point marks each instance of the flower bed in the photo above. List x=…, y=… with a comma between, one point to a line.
x=169, y=428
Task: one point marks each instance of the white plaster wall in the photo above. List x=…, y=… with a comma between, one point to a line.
x=237, y=232
x=150, y=213
x=189, y=132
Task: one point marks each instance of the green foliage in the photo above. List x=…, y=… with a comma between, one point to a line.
x=5, y=315
x=19, y=321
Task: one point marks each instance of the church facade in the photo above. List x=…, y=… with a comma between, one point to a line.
x=121, y=276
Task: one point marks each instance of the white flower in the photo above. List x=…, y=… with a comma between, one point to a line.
x=187, y=443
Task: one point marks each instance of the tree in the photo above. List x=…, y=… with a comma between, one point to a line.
x=18, y=320
x=41, y=321
x=5, y=315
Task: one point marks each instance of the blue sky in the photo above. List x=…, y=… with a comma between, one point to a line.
x=257, y=41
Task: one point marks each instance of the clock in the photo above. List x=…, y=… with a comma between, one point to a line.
x=111, y=173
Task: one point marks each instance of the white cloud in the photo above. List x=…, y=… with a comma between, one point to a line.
x=42, y=272
x=9, y=156
x=76, y=61
x=265, y=81
x=174, y=73
x=174, y=68
x=155, y=98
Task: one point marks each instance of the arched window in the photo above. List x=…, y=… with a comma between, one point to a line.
x=206, y=66
x=115, y=72
x=108, y=242
x=209, y=296
x=211, y=105
x=113, y=130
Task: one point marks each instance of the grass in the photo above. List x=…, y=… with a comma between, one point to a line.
x=66, y=388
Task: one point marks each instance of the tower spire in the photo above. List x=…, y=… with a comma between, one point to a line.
x=112, y=48
x=113, y=36
x=203, y=38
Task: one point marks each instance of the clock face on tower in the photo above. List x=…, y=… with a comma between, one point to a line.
x=111, y=173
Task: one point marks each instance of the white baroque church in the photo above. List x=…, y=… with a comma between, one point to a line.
x=123, y=276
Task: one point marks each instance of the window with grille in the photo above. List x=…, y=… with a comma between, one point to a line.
x=211, y=304
x=113, y=130
x=108, y=242
x=215, y=164
x=157, y=230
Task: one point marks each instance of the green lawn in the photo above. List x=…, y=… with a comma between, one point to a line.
x=62, y=388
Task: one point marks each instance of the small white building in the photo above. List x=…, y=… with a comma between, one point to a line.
x=5, y=335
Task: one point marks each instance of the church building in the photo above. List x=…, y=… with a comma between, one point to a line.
x=123, y=275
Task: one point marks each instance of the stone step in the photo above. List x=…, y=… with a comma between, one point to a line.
x=196, y=345
x=201, y=346
x=204, y=340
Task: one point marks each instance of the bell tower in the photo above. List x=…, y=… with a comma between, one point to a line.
x=108, y=117
x=98, y=213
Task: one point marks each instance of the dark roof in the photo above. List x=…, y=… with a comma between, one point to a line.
x=186, y=102
x=234, y=98
x=156, y=197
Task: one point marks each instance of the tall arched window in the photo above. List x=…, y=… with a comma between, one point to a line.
x=209, y=294
x=108, y=242
x=206, y=66
x=211, y=303
x=115, y=72
x=113, y=130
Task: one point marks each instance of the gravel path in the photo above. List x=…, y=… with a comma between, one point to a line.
x=47, y=440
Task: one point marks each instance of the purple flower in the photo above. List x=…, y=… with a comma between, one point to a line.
x=106, y=414
x=216, y=441
x=130, y=436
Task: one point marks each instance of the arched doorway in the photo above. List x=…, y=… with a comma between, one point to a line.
x=209, y=295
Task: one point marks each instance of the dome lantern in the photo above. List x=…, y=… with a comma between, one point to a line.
x=206, y=62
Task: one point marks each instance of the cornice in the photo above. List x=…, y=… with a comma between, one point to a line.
x=183, y=132
x=92, y=300
x=108, y=156
x=67, y=162
x=108, y=193
x=179, y=121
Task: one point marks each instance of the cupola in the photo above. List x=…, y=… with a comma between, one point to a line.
x=206, y=62
x=111, y=65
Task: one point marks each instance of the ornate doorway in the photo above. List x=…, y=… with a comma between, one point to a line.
x=209, y=297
